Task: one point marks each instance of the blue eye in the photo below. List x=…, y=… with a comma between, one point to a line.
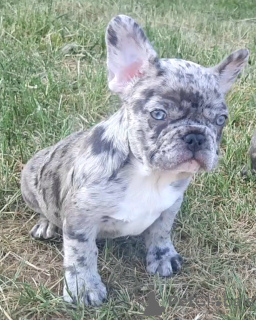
x=158, y=114
x=221, y=120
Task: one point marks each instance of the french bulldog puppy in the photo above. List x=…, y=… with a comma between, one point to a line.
x=127, y=175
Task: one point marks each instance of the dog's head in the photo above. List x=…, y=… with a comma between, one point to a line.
x=176, y=109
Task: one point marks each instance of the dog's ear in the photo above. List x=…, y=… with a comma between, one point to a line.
x=229, y=68
x=129, y=53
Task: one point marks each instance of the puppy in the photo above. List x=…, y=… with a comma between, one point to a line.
x=127, y=175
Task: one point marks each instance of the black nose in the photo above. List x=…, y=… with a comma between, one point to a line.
x=194, y=141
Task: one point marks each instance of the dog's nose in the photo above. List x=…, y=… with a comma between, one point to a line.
x=194, y=141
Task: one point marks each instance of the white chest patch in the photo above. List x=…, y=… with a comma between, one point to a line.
x=147, y=196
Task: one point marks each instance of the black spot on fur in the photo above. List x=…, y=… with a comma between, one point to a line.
x=36, y=181
x=81, y=261
x=47, y=162
x=139, y=106
x=72, y=178
x=56, y=213
x=118, y=19
x=64, y=150
x=179, y=75
x=139, y=31
x=105, y=218
x=160, y=252
x=56, y=189
x=195, y=98
x=99, y=144
x=161, y=72
x=148, y=94
x=112, y=37
x=172, y=96
x=224, y=106
x=190, y=77
x=44, y=195
x=80, y=237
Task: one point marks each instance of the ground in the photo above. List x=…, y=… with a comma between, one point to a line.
x=53, y=82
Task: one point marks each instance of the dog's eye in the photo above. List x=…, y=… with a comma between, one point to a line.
x=158, y=114
x=221, y=120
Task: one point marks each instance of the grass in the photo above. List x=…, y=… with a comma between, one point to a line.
x=53, y=82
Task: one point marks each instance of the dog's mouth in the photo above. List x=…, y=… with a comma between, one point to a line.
x=184, y=162
x=190, y=166
x=194, y=162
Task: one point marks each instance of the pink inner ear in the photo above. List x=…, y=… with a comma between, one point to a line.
x=131, y=71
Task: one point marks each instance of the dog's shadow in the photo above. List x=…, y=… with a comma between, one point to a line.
x=122, y=262
x=124, y=248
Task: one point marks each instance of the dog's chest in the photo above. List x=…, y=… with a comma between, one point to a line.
x=145, y=199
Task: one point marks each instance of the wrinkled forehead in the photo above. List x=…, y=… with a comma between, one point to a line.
x=185, y=74
x=183, y=83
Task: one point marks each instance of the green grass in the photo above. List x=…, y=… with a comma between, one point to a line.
x=53, y=82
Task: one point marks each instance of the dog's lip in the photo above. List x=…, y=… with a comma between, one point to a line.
x=186, y=158
x=191, y=165
x=196, y=160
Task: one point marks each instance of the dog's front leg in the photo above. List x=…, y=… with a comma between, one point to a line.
x=82, y=281
x=162, y=257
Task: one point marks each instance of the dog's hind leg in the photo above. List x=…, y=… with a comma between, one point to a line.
x=44, y=229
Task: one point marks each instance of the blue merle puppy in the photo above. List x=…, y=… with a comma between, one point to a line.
x=127, y=175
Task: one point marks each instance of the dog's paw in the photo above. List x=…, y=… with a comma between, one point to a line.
x=91, y=293
x=44, y=230
x=163, y=261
